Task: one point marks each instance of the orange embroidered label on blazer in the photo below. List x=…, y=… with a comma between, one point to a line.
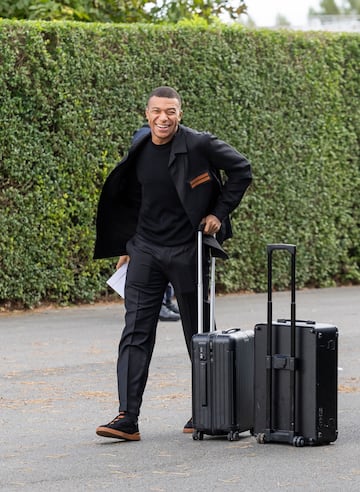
x=202, y=178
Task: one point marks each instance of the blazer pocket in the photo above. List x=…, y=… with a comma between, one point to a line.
x=198, y=180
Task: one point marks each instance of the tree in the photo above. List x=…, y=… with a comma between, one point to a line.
x=281, y=21
x=173, y=11
x=330, y=7
x=78, y=10
x=353, y=7
x=120, y=10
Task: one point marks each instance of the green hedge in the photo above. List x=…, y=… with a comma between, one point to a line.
x=71, y=96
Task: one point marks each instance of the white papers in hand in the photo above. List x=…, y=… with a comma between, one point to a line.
x=117, y=280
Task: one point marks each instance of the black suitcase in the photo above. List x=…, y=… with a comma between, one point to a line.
x=222, y=373
x=295, y=374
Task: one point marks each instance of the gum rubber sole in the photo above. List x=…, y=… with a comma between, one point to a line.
x=106, y=432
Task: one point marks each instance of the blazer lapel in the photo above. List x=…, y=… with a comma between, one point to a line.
x=179, y=164
x=178, y=146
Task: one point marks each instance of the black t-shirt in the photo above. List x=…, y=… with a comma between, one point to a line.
x=162, y=218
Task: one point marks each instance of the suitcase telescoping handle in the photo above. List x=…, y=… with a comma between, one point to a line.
x=291, y=248
x=200, y=284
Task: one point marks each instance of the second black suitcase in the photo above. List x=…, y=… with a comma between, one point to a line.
x=295, y=377
x=222, y=383
x=222, y=373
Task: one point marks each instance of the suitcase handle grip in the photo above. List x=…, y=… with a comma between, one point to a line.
x=232, y=330
x=287, y=247
x=306, y=321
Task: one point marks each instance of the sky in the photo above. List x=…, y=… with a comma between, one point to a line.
x=264, y=12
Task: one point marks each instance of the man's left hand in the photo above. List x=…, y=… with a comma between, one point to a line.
x=212, y=224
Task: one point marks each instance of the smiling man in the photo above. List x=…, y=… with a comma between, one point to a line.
x=149, y=211
x=163, y=115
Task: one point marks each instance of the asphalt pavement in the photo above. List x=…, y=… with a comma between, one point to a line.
x=58, y=384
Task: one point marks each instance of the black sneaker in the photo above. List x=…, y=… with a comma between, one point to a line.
x=167, y=315
x=122, y=427
x=172, y=306
x=188, y=427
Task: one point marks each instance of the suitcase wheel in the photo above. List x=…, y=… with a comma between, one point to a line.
x=233, y=436
x=260, y=438
x=198, y=435
x=299, y=441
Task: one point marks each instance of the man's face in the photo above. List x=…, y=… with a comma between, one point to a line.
x=163, y=115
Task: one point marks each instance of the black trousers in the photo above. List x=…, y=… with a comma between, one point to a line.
x=150, y=269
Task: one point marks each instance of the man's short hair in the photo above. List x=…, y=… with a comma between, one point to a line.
x=165, y=91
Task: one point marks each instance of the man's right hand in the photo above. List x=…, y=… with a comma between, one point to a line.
x=122, y=259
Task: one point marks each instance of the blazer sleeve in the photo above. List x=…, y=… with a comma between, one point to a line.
x=237, y=168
